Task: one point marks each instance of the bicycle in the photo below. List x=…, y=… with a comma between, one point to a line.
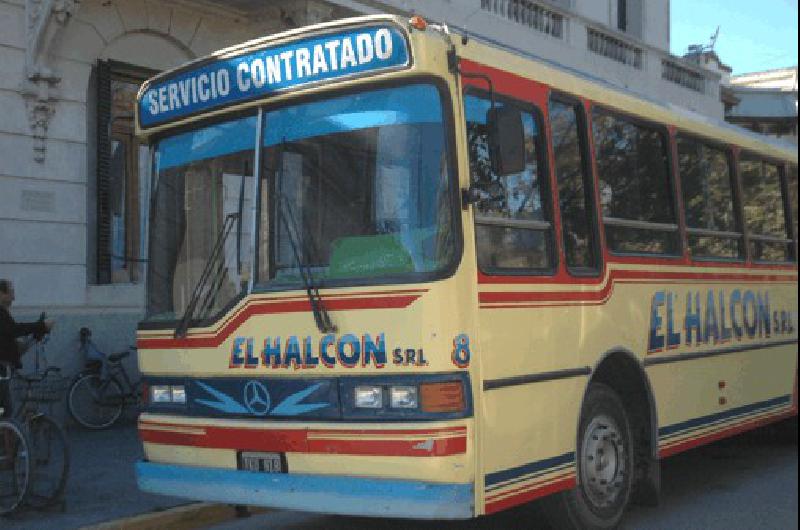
x=36, y=455
x=15, y=468
x=99, y=394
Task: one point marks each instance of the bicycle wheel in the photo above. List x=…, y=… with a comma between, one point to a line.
x=94, y=402
x=15, y=466
x=49, y=462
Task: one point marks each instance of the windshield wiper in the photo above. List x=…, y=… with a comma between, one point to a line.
x=321, y=316
x=208, y=271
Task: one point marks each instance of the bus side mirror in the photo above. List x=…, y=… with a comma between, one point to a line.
x=506, y=140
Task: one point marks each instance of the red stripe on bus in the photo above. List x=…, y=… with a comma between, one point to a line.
x=685, y=445
x=268, y=308
x=523, y=497
x=298, y=441
x=566, y=279
x=486, y=297
x=301, y=297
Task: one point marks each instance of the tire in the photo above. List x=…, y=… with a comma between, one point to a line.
x=94, y=402
x=605, y=466
x=15, y=466
x=49, y=462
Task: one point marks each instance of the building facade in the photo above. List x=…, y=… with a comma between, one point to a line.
x=622, y=42
x=74, y=181
x=766, y=102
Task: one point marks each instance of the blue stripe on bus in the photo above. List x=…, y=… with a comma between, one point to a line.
x=728, y=414
x=369, y=497
x=527, y=469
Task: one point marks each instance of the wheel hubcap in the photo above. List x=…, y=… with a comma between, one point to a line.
x=603, y=461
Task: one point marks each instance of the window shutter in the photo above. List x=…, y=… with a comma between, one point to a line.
x=103, y=172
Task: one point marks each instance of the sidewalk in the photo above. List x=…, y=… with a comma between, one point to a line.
x=101, y=485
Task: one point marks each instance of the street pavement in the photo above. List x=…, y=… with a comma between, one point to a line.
x=101, y=484
x=745, y=482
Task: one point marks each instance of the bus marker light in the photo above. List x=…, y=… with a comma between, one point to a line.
x=417, y=22
x=369, y=397
x=403, y=397
x=442, y=397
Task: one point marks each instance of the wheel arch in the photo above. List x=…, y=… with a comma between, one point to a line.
x=630, y=368
x=621, y=370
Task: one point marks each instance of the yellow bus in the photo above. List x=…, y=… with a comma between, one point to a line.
x=398, y=271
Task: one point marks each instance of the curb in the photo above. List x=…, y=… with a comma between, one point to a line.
x=186, y=517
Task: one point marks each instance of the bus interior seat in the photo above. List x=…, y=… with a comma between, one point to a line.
x=375, y=255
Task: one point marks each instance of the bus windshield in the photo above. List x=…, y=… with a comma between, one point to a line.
x=354, y=190
x=356, y=187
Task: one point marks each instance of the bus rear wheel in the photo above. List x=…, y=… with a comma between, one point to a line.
x=605, y=466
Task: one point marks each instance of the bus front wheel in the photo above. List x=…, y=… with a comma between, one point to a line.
x=605, y=465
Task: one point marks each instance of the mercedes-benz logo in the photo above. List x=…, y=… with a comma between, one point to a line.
x=256, y=398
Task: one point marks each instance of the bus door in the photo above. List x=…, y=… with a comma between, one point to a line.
x=523, y=427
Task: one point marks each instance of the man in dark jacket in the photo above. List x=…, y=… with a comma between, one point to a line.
x=10, y=331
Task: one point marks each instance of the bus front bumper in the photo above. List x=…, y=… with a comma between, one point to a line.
x=340, y=495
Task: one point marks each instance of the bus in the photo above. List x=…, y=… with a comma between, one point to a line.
x=399, y=271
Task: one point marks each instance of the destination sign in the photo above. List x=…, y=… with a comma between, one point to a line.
x=363, y=51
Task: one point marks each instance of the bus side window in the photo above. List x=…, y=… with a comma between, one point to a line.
x=512, y=228
x=575, y=189
x=635, y=186
x=763, y=210
x=707, y=188
x=791, y=183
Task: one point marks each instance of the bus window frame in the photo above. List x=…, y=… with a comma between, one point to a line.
x=783, y=170
x=663, y=130
x=543, y=146
x=780, y=164
x=448, y=124
x=738, y=212
x=589, y=178
x=790, y=210
x=151, y=143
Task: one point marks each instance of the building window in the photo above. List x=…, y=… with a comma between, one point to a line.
x=635, y=188
x=513, y=230
x=123, y=171
x=575, y=190
x=630, y=17
x=622, y=15
x=707, y=189
x=763, y=210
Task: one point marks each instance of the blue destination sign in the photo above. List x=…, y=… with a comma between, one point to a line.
x=337, y=55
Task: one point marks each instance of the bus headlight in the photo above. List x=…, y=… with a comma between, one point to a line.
x=160, y=394
x=403, y=397
x=168, y=394
x=179, y=394
x=368, y=397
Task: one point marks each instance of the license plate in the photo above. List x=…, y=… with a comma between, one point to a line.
x=262, y=462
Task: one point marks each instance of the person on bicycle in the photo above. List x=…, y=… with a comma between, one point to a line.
x=10, y=350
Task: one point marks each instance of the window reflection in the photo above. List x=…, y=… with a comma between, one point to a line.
x=512, y=230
